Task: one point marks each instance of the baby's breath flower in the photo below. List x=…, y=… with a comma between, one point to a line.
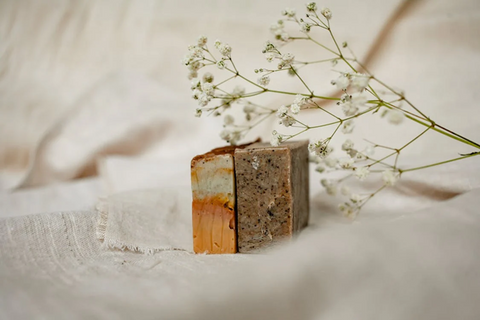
x=238, y=90
x=351, y=103
x=276, y=139
x=319, y=148
x=360, y=81
x=225, y=50
x=208, y=88
x=279, y=32
x=289, y=12
x=362, y=172
x=395, y=116
x=195, y=84
x=352, y=153
x=320, y=168
x=349, y=109
x=305, y=26
x=300, y=100
x=346, y=163
x=221, y=64
x=282, y=112
x=208, y=77
x=331, y=162
x=326, y=13
x=286, y=60
x=235, y=136
x=228, y=120
x=389, y=177
x=204, y=99
x=355, y=198
x=202, y=41
x=330, y=186
x=269, y=56
x=231, y=137
x=294, y=108
x=347, y=145
x=347, y=126
x=198, y=113
x=249, y=108
x=264, y=80
x=342, y=82
x=288, y=121
x=349, y=210
x=369, y=151
x=269, y=47
x=359, y=99
x=225, y=134
x=311, y=6
x=345, y=190
x=196, y=94
x=359, y=156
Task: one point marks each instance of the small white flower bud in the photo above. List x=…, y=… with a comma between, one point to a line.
x=228, y=120
x=264, y=80
x=326, y=13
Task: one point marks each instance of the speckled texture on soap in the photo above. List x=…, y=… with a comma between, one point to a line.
x=272, y=193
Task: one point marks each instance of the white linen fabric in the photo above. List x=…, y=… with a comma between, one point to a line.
x=146, y=220
x=94, y=103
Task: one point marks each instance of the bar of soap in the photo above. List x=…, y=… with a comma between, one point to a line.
x=213, y=205
x=272, y=193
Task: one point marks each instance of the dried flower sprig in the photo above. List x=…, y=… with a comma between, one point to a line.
x=362, y=94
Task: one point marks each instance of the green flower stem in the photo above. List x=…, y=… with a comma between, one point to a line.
x=439, y=163
x=296, y=134
x=298, y=76
x=326, y=111
x=226, y=80
x=446, y=132
x=321, y=45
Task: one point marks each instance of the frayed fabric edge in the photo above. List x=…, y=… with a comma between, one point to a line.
x=113, y=244
x=102, y=211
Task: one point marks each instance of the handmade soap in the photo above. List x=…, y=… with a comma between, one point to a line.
x=213, y=205
x=272, y=193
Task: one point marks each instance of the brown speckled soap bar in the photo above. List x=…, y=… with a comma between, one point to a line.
x=272, y=193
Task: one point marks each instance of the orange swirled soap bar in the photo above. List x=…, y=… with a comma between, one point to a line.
x=213, y=206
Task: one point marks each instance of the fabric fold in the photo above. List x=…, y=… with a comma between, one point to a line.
x=146, y=221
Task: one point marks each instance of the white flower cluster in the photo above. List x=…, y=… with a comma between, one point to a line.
x=326, y=13
x=276, y=139
x=320, y=148
x=395, y=116
x=351, y=103
x=389, y=177
x=231, y=136
x=285, y=60
x=278, y=30
x=357, y=81
x=330, y=186
x=349, y=210
x=285, y=119
x=264, y=80
x=289, y=12
x=194, y=58
x=298, y=103
x=203, y=91
x=358, y=99
x=223, y=48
